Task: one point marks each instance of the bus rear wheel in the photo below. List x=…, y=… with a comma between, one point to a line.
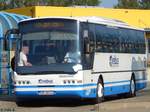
x=132, y=92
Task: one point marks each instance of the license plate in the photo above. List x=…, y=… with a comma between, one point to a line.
x=46, y=93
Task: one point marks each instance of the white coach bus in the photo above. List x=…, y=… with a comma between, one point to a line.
x=82, y=57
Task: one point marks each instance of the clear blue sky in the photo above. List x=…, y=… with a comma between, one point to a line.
x=108, y=3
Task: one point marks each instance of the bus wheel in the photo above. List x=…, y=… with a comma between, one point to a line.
x=132, y=92
x=19, y=103
x=100, y=91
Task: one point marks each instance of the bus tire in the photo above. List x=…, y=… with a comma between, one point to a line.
x=100, y=91
x=132, y=92
x=19, y=102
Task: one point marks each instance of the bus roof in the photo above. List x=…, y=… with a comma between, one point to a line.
x=92, y=19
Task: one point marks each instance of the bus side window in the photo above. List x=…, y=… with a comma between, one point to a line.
x=100, y=40
x=107, y=39
x=132, y=41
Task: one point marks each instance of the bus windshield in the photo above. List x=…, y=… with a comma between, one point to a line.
x=53, y=47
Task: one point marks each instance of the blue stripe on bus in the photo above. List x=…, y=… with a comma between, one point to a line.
x=83, y=85
x=140, y=86
x=117, y=82
x=122, y=81
x=56, y=86
x=59, y=86
x=116, y=90
x=83, y=93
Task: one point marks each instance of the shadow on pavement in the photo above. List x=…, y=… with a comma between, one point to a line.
x=7, y=98
x=56, y=103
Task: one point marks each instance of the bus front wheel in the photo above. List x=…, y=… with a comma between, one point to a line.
x=132, y=92
x=19, y=103
x=100, y=91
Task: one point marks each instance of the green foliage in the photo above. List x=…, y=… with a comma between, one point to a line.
x=145, y=4
x=2, y=4
x=87, y=2
x=7, y=4
x=128, y=4
x=133, y=4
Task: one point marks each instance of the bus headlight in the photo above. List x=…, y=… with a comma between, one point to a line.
x=19, y=82
x=23, y=82
x=28, y=82
x=72, y=81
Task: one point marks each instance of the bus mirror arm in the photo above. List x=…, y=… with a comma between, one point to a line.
x=11, y=31
x=7, y=36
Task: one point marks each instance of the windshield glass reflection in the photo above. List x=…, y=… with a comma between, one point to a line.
x=44, y=48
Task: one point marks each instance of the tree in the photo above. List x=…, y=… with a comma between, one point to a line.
x=2, y=4
x=145, y=4
x=7, y=4
x=133, y=4
x=128, y=4
x=87, y=2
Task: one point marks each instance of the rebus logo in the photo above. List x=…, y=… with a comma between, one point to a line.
x=45, y=81
x=113, y=61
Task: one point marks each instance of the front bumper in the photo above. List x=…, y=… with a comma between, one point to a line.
x=75, y=91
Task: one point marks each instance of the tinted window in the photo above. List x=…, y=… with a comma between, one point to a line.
x=119, y=40
x=107, y=39
x=132, y=41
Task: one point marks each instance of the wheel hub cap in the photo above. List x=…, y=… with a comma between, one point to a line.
x=100, y=90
